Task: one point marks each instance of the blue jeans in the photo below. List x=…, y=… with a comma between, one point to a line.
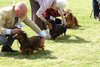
x=6, y=40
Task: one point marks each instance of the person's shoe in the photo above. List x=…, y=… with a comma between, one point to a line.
x=7, y=49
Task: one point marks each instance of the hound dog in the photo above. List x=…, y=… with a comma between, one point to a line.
x=29, y=44
x=71, y=20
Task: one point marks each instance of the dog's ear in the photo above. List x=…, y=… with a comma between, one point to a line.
x=68, y=11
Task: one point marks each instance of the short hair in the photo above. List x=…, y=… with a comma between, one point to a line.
x=21, y=6
x=61, y=3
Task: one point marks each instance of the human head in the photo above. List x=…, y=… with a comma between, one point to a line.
x=61, y=3
x=20, y=9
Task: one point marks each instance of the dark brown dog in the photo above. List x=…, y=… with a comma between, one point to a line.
x=71, y=20
x=29, y=45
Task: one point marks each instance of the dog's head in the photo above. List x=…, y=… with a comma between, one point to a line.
x=68, y=15
x=71, y=20
x=20, y=34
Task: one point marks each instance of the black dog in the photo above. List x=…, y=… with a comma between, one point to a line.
x=56, y=29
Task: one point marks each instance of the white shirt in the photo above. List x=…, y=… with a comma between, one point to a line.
x=44, y=5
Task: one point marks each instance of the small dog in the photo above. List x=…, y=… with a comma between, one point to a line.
x=29, y=45
x=71, y=20
x=56, y=29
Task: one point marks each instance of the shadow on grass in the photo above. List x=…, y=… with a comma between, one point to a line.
x=76, y=27
x=45, y=54
x=71, y=39
x=80, y=28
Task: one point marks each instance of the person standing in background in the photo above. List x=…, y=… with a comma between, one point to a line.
x=96, y=9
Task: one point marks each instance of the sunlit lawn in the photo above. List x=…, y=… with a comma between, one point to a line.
x=79, y=48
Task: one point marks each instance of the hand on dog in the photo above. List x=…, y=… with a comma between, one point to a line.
x=44, y=34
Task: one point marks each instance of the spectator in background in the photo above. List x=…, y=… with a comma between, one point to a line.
x=96, y=9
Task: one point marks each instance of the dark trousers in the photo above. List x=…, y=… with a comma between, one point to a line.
x=95, y=8
x=6, y=40
x=34, y=7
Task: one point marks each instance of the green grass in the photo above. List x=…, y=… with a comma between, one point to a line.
x=79, y=48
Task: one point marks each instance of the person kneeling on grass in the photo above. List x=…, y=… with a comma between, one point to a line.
x=8, y=22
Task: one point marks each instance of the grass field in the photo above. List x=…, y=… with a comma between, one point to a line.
x=79, y=48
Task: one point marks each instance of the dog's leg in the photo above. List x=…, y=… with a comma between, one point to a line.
x=64, y=33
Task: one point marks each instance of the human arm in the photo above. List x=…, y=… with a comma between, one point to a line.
x=62, y=13
x=45, y=5
x=34, y=27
